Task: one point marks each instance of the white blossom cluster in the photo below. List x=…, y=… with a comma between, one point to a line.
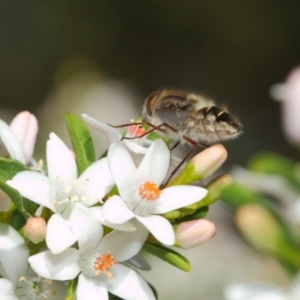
x=91, y=234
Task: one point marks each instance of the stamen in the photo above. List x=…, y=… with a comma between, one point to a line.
x=103, y=263
x=38, y=167
x=33, y=287
x=74, y=198
x=136, y=131
x=85, y=199
x=75, y=183
x=68, y=190
x=68, y=196
x=149, y=190
x=52, y=293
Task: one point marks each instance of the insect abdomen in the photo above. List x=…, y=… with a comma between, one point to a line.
x=213, y=125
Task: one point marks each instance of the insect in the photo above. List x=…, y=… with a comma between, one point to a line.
x=189, y=118
x=190, y=115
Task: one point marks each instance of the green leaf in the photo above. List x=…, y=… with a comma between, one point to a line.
x=71, y=292
x=168, y=255
x=17, y=220
x=81, y=141
x=21, y=204
x=113, y=297
x=10, y=167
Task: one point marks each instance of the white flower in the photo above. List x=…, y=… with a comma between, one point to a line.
x=140, y=195
x=7, y=290
x=34, y=287
x=99, y=268
x=13, y=254
x=262, y=291
x=137, y=147
x=66, y=195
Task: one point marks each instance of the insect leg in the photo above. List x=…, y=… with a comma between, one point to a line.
x=194, y=146
x=126, y=125
x=175, y=145
x=154, y=127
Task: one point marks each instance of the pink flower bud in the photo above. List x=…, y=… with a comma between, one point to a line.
x=193, y=233
x=202, y=165
x=291, y=106
x=25, y=127
x=35, y=229
x=209, y=160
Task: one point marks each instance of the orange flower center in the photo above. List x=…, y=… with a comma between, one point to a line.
x=149, y=190
x=136, y=130
x=103, y=263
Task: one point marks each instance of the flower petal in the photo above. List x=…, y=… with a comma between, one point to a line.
x=7, y=290
x=124, y=245
x=112, y=134
x=175, y=197
x=34, y=186
x=99, y=181
x=115, y=211
x=13, y=253
x=134, y=147
x=59, y=235
x=128, y=284
x=25, y=127
x=98, y=213
x=91, y=287
x=155, y=164
x=11, y=142
x=85, y=227
x=122, y=168
x=160, y=227
x=62, y=266
x=60, y=160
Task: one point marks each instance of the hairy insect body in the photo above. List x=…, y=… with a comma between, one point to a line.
x=191, y=115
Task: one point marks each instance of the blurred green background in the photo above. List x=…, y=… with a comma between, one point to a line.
x=55, y=54
x=232, y=50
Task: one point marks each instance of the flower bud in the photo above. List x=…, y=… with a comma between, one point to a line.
x=215, y=187
x=25, y=127
x=209, y=160
x=259, y=227
x=35, y=229
x=291, y=106
x=202, y=165
x=12, y=145
x=193, y=233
